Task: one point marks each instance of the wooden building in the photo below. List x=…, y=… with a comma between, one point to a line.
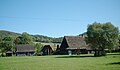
x=74, y=45
x=9, y=53
x=47, y=50
x=25, y=50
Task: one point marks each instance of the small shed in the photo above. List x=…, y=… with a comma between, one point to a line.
x=25, y=50
x=9, y=53
x=47, y=50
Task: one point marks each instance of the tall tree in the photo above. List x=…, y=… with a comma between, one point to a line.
x=102, y=36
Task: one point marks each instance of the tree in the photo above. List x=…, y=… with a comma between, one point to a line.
x=102, y=36
x=6, y=45
x=18, y=40
x=38, y=47
x=25, y=38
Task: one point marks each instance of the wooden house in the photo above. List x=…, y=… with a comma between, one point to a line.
x=25, y=50
x=47, y=50
x=9, y=53
x=74, y=45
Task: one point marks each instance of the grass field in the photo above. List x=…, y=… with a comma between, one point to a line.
x=61, y=62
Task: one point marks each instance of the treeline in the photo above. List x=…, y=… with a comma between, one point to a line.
x=41, y=38
x=4, y=33
x=35, y=38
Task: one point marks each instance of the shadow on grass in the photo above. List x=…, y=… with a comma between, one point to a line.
x=75, y=56
x=114, y=63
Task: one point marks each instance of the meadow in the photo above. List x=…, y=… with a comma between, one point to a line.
x=61, y=62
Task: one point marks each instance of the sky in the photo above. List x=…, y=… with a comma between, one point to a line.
x=56, y=18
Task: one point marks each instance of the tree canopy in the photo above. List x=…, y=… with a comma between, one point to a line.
x=6, y=44
x=38, y=48
x=101, y=36
x=25, y=38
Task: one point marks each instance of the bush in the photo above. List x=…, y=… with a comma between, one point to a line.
x=99, y=53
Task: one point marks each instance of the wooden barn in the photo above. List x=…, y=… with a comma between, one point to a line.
x=25, y=50
x=9, y=53
x=47, y=50
x=74, y=45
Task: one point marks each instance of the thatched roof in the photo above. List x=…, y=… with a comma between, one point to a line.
x=25, y=48
x=74, y=42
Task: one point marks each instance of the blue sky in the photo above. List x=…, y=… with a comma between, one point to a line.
x=56, y=18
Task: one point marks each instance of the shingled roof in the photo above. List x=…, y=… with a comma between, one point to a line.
x=25, y=48
x=74, y=42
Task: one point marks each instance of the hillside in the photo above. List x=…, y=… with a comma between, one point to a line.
x=46, y=39
x=4, y=33
x=36, y=38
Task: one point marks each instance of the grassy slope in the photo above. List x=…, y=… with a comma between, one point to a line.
x=61, y=62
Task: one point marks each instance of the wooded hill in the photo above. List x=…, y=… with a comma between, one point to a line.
x=4, y=33
x=36, y=38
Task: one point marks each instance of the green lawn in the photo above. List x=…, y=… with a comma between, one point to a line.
x=61, y=62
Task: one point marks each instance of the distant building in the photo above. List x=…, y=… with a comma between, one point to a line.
x=25, y=50
x=74, y=45
x=9, y=53
x=50, y=47
x=47, y=50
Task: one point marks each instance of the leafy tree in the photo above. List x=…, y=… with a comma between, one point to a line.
x=7, y=39
x=102, y=36
x=38, y=47
x=6, y=45
x=25, y=38
x=0, y=39
x=18, y=40
x=119, y=42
